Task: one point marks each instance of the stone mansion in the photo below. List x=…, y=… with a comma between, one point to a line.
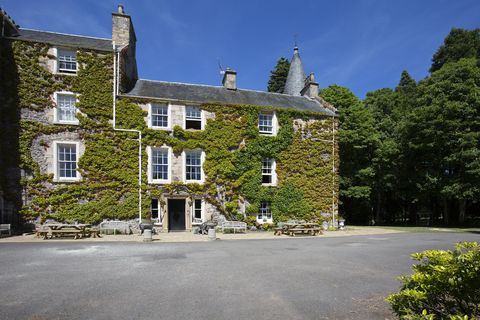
x=84, y=139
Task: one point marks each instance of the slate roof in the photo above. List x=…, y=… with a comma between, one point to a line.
x=296, y=75
x=194, y=93
x=65, y=40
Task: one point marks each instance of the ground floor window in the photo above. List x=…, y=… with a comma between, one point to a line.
x=265, y=212
x=197, y=211
x=155, y=209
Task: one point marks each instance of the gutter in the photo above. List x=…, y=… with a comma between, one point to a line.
x=116, y=73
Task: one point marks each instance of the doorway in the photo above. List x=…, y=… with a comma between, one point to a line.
x=176, y=214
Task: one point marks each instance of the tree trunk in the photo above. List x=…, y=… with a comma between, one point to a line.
x=446, y=218
x=462, y=204
x=378, y=209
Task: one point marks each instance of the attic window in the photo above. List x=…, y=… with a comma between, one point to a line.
x=67, y=61
x=193, y=118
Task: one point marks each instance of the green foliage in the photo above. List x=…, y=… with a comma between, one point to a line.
x=444, y=285
x=109, y=166
x=459, y=43
x=278, y=76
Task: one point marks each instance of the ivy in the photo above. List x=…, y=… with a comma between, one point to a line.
x=109, y=166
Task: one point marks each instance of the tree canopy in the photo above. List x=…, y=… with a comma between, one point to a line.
x=278, y=76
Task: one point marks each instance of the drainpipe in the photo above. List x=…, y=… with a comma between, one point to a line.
x=116, y=72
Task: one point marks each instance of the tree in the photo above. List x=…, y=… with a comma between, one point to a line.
x=444, y=132
x=278, y=76
x=357, y=142
x=459, y=43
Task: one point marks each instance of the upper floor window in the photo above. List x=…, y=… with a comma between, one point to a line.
x=159, y=116
x=193, y=118
x=66, y=162
x=267, y=123
x=66, y=110
x=159, y=165
x=265, y=212
x=268, y=172
x=193, y=165
x=66, y=61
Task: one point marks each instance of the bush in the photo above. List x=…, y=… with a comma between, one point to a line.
x=251, y=220
x=444, y=285
x=265, y=227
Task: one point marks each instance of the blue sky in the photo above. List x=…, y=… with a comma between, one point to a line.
x=361, y=44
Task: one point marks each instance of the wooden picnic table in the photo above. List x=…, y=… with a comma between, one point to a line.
x=299, y=228
x=78, y=230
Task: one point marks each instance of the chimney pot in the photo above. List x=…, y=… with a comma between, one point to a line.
x=311, y=87
x=230, y=79
x=121, y=9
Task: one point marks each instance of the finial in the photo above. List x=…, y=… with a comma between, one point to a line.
x=121, y=9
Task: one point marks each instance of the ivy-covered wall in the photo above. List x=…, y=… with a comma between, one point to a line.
x=307, y=183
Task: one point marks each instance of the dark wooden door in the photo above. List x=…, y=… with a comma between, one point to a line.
x=176, y=214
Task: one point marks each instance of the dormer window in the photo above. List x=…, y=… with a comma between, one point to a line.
x=267, y=123
x=66, y=61
x=193, y=118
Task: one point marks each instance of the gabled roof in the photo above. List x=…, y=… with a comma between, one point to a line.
x=296, y=76
x=194, y=93
x=64, y=40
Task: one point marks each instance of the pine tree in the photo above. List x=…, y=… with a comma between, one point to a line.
x=278, y=76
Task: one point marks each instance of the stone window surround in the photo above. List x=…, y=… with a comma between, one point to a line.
x=184, y=166
x=56, y=177
x=273, y=173
x=149, y=168
x=169, y=117
x=55, y=109
x=55, y=61
x=274, y=123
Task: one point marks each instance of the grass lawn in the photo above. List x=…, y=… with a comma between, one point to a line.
x=427, y=229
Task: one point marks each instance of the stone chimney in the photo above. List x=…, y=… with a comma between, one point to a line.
x=123, y=35
x=311, y=87
x=230, y=79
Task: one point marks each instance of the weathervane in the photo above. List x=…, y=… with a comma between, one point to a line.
x=295, y=36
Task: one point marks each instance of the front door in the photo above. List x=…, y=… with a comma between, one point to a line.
x=176, y=214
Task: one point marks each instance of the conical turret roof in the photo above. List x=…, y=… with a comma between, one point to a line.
x=296, y=75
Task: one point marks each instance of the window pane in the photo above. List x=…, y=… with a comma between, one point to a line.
x=265, y=123
x=67, y=160
x=160, y=164
x=67, y=61
x=198, y=209
x=66, y=110
x=154, y=209
x=265, y=211
x=193, y=113
x=159, y=116
x=193, y=166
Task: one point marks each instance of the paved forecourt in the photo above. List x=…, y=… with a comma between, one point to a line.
x=303, y=278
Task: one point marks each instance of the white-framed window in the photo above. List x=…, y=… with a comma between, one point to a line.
x=65, y=110
x=197, y=216
x=269, y=176
x=160, y=116
x=66, y=154
x=267, y=123
x=159, y=164
x=66, y=61
x=193, y=164
x=155, y=210
x=264, y=212
x=193, y=118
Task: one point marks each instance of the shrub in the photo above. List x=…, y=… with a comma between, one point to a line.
x=251, y=220
x=265, y=227
x=444, y=285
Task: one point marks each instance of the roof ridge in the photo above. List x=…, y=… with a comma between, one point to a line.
x=66, y=34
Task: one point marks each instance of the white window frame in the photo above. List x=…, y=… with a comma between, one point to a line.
x=169, y=116
x=149, y=169
x=57, y=52
x=202, y=118
x=202, y=217
x=274, y=123
x=56, y=173
x=264, y=218
x=159, y=209
x=184, y=166
x=273, y=173
x=55, y=110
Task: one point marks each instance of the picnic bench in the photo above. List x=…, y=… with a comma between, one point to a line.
x=234, y=225
x=293, y=229
x=5, y=228
x=56, y=230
